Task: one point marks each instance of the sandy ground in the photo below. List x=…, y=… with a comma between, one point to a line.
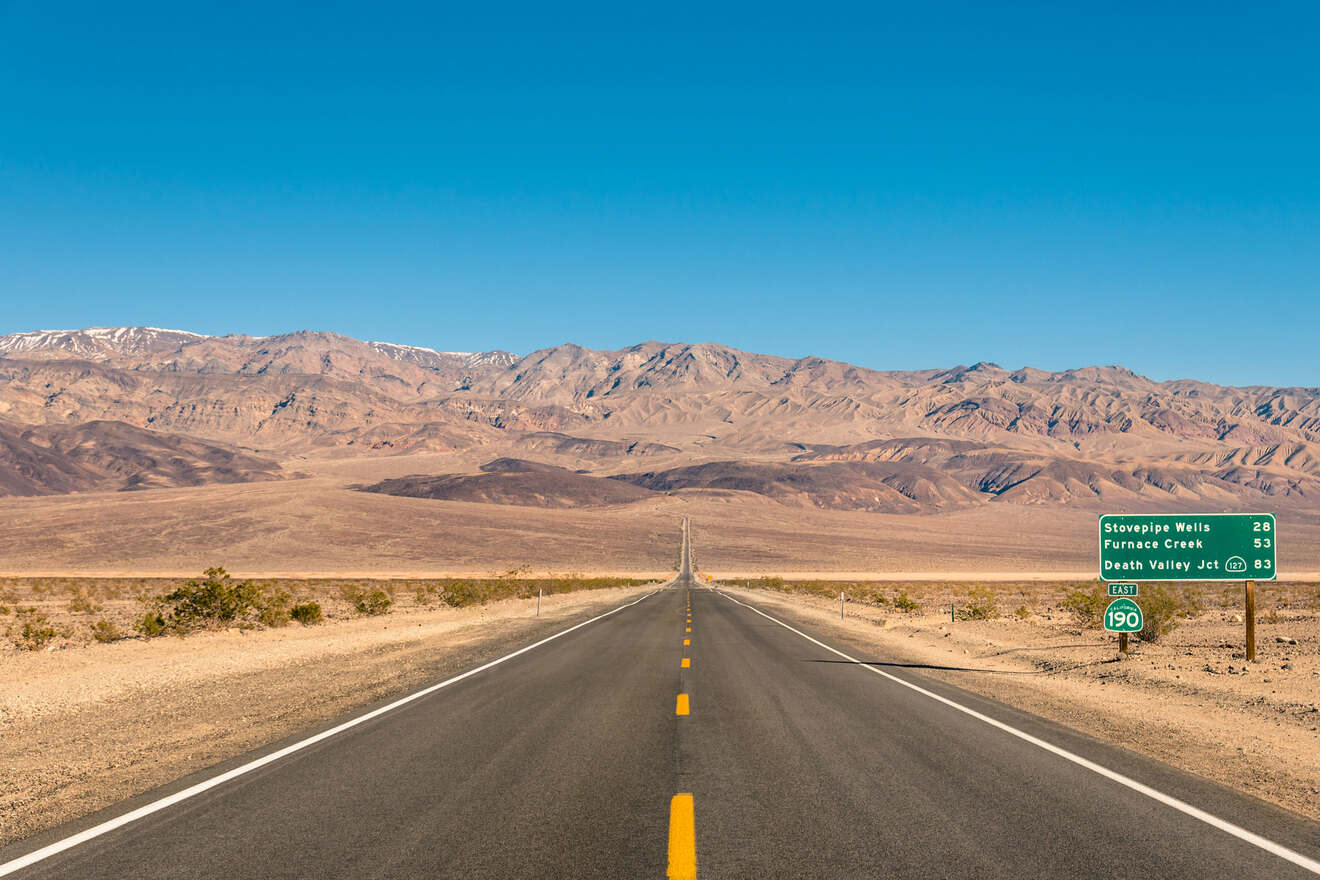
x=88, y=725
x=319, y=527
x=1189, y=700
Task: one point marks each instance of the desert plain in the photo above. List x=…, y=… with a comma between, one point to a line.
x=133, y=459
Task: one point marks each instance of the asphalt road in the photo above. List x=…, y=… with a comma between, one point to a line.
x=565, y=760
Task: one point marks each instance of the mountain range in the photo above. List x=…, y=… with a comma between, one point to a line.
x=139, y=407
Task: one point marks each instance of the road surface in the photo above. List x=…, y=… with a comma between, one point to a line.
x=573, y=759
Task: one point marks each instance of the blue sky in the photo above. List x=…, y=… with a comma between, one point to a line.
x=900, y=187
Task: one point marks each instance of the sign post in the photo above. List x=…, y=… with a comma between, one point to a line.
x=1121, y=590
x=1250, y=615
x=1123, y=616
x=1191, y=547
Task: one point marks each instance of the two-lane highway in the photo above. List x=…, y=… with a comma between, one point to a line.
x=688, y=731
x=804, y=764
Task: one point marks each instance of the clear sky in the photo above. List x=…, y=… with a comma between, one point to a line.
x=903, y=186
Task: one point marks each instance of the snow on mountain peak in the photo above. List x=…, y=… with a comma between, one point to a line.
x=94, y=342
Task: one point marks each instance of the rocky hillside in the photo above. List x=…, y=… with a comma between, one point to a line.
x=804, y=430
x=54, y=459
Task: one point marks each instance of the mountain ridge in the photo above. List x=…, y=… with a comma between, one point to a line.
x=1088, y=435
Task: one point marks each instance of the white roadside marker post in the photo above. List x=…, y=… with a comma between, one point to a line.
x=840, y=605
x=538, y=602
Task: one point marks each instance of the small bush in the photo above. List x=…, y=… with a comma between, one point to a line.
x=151, y=624
x=105, y=631
x=212, y=601
x=306, y=613
x=1162, y=608
x=1022, y=612
x=274, y=609
x=371, y=602
x=460, y=594
x=980, y=604
x=904, y=602
x=35, y=631
x=82, y=603
x=1087, y=604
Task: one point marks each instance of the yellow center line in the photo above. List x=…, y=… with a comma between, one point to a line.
x=687, y=642
x=689, y=629
x=687, y=662
x=682, y=706
x=682, y=839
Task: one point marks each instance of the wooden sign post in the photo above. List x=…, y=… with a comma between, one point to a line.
x=1251, y=620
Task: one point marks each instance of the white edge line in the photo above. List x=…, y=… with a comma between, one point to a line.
x=205, y=785
x=1168, y=800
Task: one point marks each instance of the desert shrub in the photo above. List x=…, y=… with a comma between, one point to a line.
x=106, y=631
x=151, y=624
x=460, y=594
x=33, y=630
x=4, y=609
x=369, y=602
x=81, y=602
x=904, y=602
x=306, y=613
x=1022, y=612
x=1087, y=603
x=1163, y=607
x=980, y=604
x=274, y=608
x=218, y=599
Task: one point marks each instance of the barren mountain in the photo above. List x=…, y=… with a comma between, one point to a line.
x=801, y=431
x=521, y=483
x=53, y=459
x=851, y=485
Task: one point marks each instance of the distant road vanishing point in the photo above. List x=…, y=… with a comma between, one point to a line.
x=686, y=733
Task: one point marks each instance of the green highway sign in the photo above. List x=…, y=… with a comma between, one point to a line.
x=1122, y=589
x=1188, y=547
x=1123, y=616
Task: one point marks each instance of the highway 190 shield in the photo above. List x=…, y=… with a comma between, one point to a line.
x=1188, y=547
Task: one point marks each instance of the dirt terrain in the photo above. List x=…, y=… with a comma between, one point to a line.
x=1190, y=699
x=320, y=527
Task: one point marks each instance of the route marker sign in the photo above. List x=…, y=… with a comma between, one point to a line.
x=1122, y=589
x=1188, y=547
x=1123, y=616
